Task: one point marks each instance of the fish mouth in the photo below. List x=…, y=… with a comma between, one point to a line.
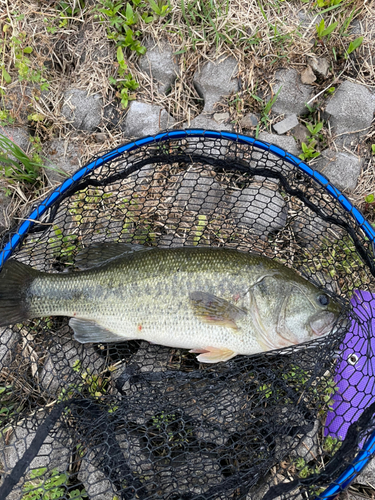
x=321, y=324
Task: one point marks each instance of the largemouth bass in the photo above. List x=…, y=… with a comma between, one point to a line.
x=216, y=302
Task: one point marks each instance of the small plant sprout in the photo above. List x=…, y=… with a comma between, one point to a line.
x=373, y=149
x=314, y=130
x=323, y=31
x=353, y=46
x=308, y=150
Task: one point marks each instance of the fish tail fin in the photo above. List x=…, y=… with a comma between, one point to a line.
x=15, y=280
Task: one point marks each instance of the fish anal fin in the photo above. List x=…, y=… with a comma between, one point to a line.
x=87, y=331
x=215, y=310
x=215, y=354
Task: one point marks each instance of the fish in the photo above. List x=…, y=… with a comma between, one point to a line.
x=216, y=302
x=355, y=371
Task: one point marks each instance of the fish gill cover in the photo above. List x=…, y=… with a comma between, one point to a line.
x=136, y=420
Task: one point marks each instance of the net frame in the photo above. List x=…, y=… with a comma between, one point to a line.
x=364, y=456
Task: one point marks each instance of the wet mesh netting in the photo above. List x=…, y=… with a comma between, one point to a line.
x=135, y=420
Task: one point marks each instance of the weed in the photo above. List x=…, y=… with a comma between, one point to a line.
x=353, y=46
x=308, y=150
x=120, y=19
x=373, y=149
x=327, y=3
x=331, y=445
x=126, y=82
x=53, y=486
x=16, y=165
x=64, y=247
x=199, y=229
x=68, y=12
x=323, y=31
x=5, y=117
x=95, y=386
x=266, y=389
x=7, y=404
x=23, y=63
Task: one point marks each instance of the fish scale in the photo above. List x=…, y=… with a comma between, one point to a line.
x=217, y=302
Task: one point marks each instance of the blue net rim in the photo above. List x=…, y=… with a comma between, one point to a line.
x=368, y=449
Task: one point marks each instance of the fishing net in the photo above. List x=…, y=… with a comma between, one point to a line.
x=134, y=420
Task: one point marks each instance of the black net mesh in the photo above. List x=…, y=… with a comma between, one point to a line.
x=135, y=420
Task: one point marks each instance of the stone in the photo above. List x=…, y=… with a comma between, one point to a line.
x=260, y=207
x=160, y=62
x=198, y=194
x=367, y=477
x=215, y=80
x=206, y=123
x=308, y=446
x=8, y=338
x=273, y=480
x=83, y=111
x=145, y=119
x=19, y=99
x=312, y=231
x=96, y=484
x=18, y=135
x=152, y=357
x=293, y=95
x=320, y=65
x=285, y=125
x=300, y=133
x=307, y=76
x=100, y=137
x=341, y=169
x=249, y=121
x=221, y=117
x=285, y=142
x=351, y=108
x=62, y=355
x=53, y=454
x=62, y=159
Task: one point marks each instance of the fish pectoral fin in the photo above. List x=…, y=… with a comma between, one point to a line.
x=214, y=310
x=87, y=331
x=214, y=354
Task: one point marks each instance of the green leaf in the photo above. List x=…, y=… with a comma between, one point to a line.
x=310, y=128
x=155, y=7
x=320, y=27
x=120, y=55
x=318, y=127
x=369, y=198
x=355, y=44
x=27, y=50
x=6, y=75
x=330, y=28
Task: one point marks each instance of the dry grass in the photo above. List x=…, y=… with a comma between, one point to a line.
x=263, y=37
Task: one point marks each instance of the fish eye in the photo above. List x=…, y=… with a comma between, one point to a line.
x=353, y=359
x=323, y=300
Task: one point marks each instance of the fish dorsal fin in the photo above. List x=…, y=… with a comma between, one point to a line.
x=87, y=331
x=99, y=254
x=214, y=310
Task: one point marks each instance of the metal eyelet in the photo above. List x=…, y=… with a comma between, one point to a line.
x=353, y=359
